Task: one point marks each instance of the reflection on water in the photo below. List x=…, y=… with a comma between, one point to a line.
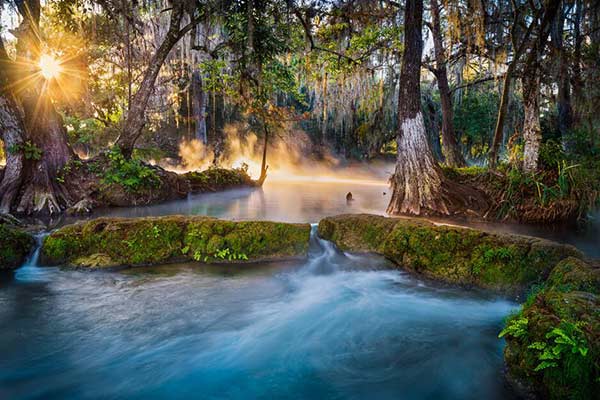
x=309, y=201
x=278, y=201
x=335, y=326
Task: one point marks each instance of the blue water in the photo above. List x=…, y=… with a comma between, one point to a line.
x=337, y=326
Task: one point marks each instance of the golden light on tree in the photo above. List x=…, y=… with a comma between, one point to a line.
x=50, y=67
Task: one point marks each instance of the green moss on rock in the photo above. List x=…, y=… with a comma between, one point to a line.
x=215, y=178
x=452, y=254
x=557, y=353
x=357, y=232
x=573, y=274
x=15, y=245
x=207, y=239
x=108, y=242
x=553, y=343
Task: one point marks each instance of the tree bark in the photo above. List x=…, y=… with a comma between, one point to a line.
x=136, y=117
x=563, y=101
x=499, y=130
x=418, y=184
x=264, y=167
x=532, y=133
x=13, y=132
x=199, y=100
x=29, y=119
x=450, y=148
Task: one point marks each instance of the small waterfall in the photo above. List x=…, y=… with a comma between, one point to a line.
x=33, y=259
x=30, y=270
x=323, y=257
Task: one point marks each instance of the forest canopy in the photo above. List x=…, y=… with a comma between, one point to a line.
x=508, y=86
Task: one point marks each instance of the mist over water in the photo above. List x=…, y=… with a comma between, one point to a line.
x=287, y=201
x=335, y=326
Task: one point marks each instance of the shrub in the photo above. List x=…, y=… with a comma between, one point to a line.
x=132, y=174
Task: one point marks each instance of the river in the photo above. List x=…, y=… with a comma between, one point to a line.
x=336, y=326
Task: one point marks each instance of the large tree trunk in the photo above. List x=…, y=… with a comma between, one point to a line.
x=13, y=132
x=30, y=122
x=450, y=149
x=418, y=184
x=532, y=132
x=136, y=117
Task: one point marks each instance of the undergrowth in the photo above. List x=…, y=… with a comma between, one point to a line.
x=132, y=173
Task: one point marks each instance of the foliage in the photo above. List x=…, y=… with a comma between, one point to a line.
x=475, y=119
x=132, y=174
x=516, y=327
x=567, y=338
x=14, y=246
x=30, y=150
x=72, y=165
x=82, y=131
x=220, y=254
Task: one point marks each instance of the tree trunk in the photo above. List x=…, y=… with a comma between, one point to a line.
x=563, y=102
x=264, y=167
x=532, y=132
x=577, y=81
x=499, y=130
x=13, y=132
x=199, y=100
x=30, y=122
x=136, y=117
x=450, y=149
x=418, y=184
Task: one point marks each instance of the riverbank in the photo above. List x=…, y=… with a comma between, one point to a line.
x=553, y=343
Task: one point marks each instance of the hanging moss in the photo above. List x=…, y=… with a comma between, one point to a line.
x=107, y=242
x=14, y=246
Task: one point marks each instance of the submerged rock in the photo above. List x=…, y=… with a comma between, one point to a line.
x=553, y=343
x=109, y=242
x=15, y=245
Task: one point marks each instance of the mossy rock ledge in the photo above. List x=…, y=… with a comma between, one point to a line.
x=113, y=242
x=553, y=343
x=15, y=245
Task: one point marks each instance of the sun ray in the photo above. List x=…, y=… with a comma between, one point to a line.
x=50, y=66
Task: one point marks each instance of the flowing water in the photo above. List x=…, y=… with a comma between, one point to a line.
x=335, y=326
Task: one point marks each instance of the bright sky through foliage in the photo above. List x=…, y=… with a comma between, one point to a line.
x=49, y=66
